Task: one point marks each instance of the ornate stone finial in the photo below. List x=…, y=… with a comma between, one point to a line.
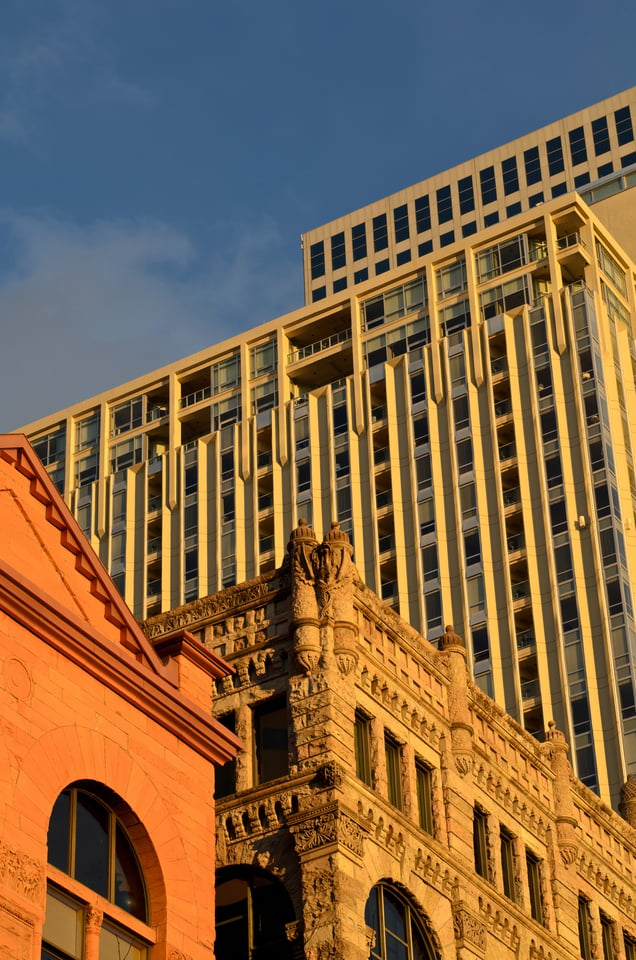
x=450, y=638
x=553, y=735
x=303, y=532
x=335, y=533
x=627, y=806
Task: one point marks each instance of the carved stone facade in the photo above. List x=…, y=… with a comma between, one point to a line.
x=391, y=749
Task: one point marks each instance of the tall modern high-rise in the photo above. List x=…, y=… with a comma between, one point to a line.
x=459, y=393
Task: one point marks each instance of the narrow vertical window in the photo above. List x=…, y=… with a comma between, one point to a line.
x=359, y=241
x=225, y=776
x=600, y=135
x=270, y=740
x=380, y=233
x=624, y=130
x=466, y=195
x=393, y=754
x=532, y=165
x=555, y=156
x=317, y=259
x=507, y=863
x=338, y=253
x=510, y=175
x=480, y=842
x=401, y=223
x=424, y=787
x=585, y=933
x=607, y=937
x=362, y=746
x=422, y=214
x=444, y=205
x=488, y=185
x=534, y=886
x=578, y=150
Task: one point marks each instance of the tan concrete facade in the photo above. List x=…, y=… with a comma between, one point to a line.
x=592, y=145
x=407, y=798
x=92, y=712
x=465, y=418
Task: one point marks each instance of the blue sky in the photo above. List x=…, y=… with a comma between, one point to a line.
x=160, y=158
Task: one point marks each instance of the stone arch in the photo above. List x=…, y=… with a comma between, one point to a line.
x=72, y=754
x=421, y=915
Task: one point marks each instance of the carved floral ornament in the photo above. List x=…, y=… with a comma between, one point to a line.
x=325, y=827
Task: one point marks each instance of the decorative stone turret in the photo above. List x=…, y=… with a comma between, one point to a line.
x=322, y=596
x=556, y=751
x=453, y=651
x=304, y=604
x=628, y=800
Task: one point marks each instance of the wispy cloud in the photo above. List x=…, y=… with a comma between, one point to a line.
x=58, y=55
x=86, y=308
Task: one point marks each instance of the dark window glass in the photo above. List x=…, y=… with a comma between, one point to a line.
x=425, y=248
x=535, y=200
x=397, y=934
x=382, y=266
x=581, y=180
x=585, y=933
x=359, y=241
x=555, y=156
x=605, y=169
x=444, y=205
x=600, y=134
x=424, y=787
x=446, y=239
x=340, y=285
x=253, y=911
x=559, y=189
x=491, y=219
x=318, y=294
x=380, y=233
x=480, y=843
x=317, y=258
x=469, y=228
x=59, y=827
x=466, y=195
x=225, y=776
x=510, y=175
x=481, y=644
x=507, y=863
x=87, y=842
x=422, y=214
x=270, y=739
x=532, y=165
x=624, y=130
x=472, y=548
x=558, y=516
x=578, y=150
x=338, y=253
x=488, y=185
x=91, y=855
x=361, y=275
x=401, y=223
x=570, y=621
x=534, y=886
x=628, y=159
x=513, y=209
x=362, y=746
x=403, y=257
x=393, y=755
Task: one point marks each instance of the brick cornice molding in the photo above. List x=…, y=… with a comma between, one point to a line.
x=112, y=666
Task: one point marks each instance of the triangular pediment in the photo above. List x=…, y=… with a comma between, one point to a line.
x=45, y=555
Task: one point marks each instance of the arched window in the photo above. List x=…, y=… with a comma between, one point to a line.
x=88, y=844
x=399, y=933
x=253, y=913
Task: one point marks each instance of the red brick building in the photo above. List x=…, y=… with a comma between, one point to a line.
x=107, y=751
